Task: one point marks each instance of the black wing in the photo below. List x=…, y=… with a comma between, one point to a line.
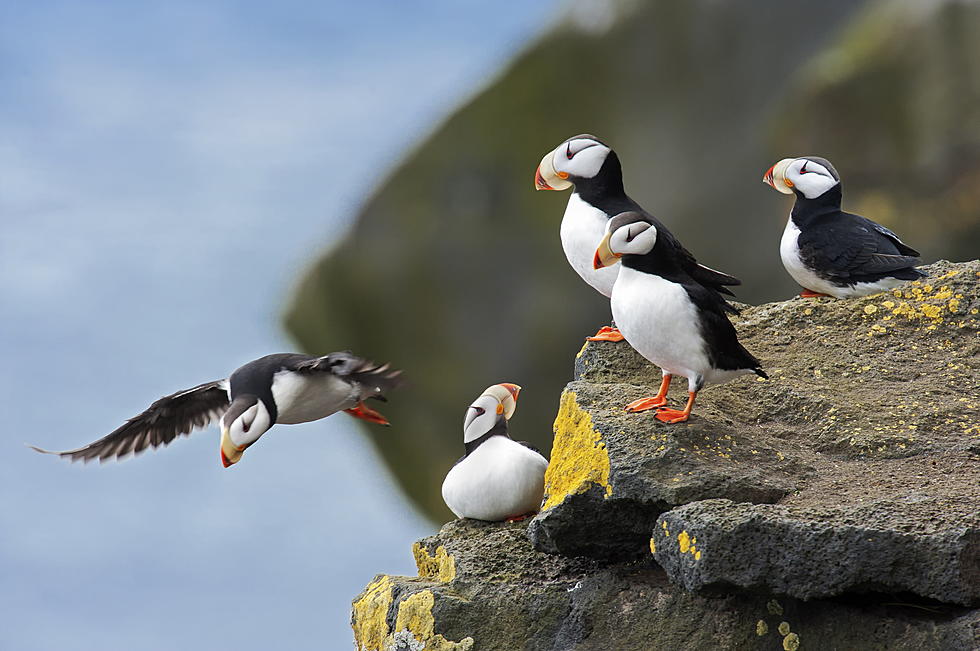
x=375, y=378
x=166, y=419
x=851, y=247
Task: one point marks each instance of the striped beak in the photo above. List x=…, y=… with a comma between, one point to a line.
x=545, y=176
x=230, y=453
x=604, y=256
x=776, y=177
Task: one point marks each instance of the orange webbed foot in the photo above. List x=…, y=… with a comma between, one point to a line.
x=672, y=415
x=607, y=333
x=364, y=412
x=521, y=517
x=809, y=293
x=645, y=404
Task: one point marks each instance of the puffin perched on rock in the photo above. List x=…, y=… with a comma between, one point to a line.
x=831, y=252
x=498, y=478
x=667, y=314
x=284, y=388
x=593, y=170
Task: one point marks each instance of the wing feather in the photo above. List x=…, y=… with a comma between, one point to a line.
x=169, y=417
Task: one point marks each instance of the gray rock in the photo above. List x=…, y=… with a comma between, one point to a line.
x=928, y=546
x=482, y=586
x=870, y=398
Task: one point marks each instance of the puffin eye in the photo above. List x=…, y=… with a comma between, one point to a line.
x=479, y=410
x=568, y=151
x=629, y=233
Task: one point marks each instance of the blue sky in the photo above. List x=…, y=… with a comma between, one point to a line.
x=166, y=172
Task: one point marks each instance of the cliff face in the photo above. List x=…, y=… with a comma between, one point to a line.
x=453, y=268
x=836, y=505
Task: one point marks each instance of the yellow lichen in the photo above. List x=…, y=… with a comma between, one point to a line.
x=791, y=642
x=415, y=616
x=761, y=628
x=870, y=309
x=784, y=628
x=683, y=542
x=370, y=615
x=436, y=567
x=653, y=546
x=579, y=458
x=774, y=607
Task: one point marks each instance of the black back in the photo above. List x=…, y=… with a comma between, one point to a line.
x=845, y=248
x=255, y=378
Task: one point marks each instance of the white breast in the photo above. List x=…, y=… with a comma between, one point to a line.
x=659, y=320
x=301, y=398
x=500, y=478
x=582, y=228
x=789, y=251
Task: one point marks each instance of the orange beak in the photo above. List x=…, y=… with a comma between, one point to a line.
x=513, y=388
x=604, y=256
x=768, y=177
x=539, y=182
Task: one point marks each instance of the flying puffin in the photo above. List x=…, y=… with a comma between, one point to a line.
x=589, y=166
x=669, y=317
x=283, y=388
x=831, y=252
x=498, y=478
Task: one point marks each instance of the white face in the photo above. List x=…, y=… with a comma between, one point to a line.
x=498, y=400
x=248, y=426
x=580, y=157
x=635, y=238
x=809, y=177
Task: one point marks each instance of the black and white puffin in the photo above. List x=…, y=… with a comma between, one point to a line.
x=667, y=315
x=498, y=478
x=593, y=170
x=830, y=252
x=284, y=388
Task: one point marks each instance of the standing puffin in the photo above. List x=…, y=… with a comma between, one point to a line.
x=498, y=478
x=669, y=317
x=590, y=167
x=831, y=252
x=283, y=388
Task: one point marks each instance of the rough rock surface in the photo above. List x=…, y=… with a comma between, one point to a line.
x=834, y=506
x=873, y=399
x=482, y=586
x=906, y=544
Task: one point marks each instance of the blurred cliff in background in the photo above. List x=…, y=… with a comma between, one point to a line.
x=453, y=269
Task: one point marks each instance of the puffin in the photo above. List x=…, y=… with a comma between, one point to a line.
x=593, y=171
x=830, y=252
x=498, y=478
x=667, y=315
x=283, y=388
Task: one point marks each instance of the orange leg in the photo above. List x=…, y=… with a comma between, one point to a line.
x=675, y=415
x=658, y=400
x=521, y=517
x=364, y=412
x=606, y=333
x=809, y=293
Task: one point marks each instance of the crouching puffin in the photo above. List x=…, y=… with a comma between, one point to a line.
x=831, y=252
x=593, y=170
x=667, y=315
x=498, y=478
x=284, y=388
